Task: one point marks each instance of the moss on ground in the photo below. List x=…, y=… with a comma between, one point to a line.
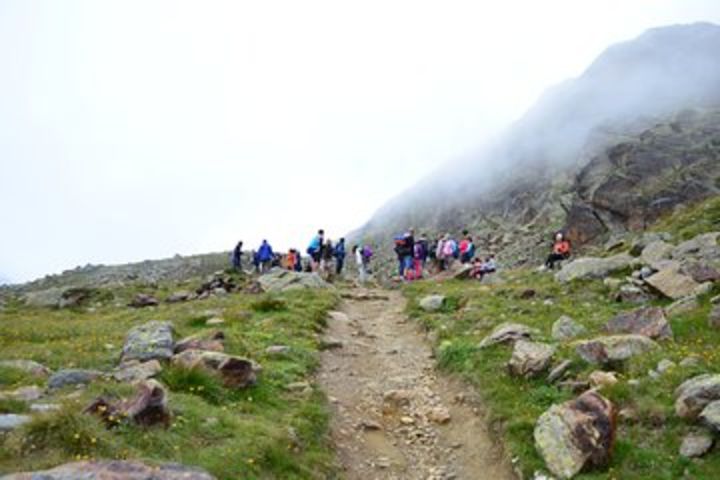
x=261, y=432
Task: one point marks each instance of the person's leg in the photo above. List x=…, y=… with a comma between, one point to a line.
x=401, y=267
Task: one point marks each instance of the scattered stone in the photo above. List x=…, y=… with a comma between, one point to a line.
x=279, y=279
x=135, y=371
x=299, y=387
x=508, y=333
x=672, y=284
x=559, y=371
x=339, y=316
x=215, y=321
x=397, y=398
x=593, y=268
x=527, y=294
x=236, y=372
x=703, y=289
x=665, y=365
x=439, y=415
x=612, y=283
x=330, y=344
x=212, y=341
x=701, y=272
x=710, y=415
x=11, y=421
x=28, y=366
x=25, y=394
x=147, y=408
x=405, y=420
x=565, y=328
x=277, y=350
x=178, y=297
x=648, y=321
x=530, y=359
x=150, y=341
x=681, y=306
x=690, y=361
x=72, y=377
x=696, y=444
x=370, y=425
x=575, y=386
x=702, y=246
x=615, y=348
x=656, y=252
x=715, y=300
x=44, y=407
x=614, y=243
x=600, y=379
x=639, y=244
x=143, y=300
x=576, y=435
x=714, y=317
x=693, y=395
x=432, y=303
x=632, y=294
x=115, y=470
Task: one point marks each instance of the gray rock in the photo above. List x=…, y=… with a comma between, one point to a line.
x=576, y=435
x=72, y=377
x=612, y=283
x=703, y=247
x=277, y=350
x=672, y=284
x=432, y=303
x=655, y=252
x=701, y=272
x=135, y=371
x=632, y=294
x=529, y=359
x=714, y=317
x=565, y=328
x=559, y=371
x=646, y=272
x=25, y=394
x=28, y=366
x=693, y=395
x=690, y=361
x=665, y=365
x=11, y=421
x=45, y=407
x=181, y=296
x=508, y=333
x=696, y=444
x=236, y=372
x=150, y=341
x=115, y=470
x=639, y=244
x=681, y=306
x=278, y=280
x=48, y=298
x=710, y=415
x=592, y=268
x=614, y=348
x=648, y=321
x=143, y=300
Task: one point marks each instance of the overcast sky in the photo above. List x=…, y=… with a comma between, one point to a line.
x=140, y=129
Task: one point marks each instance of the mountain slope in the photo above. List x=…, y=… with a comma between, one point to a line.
x=529, y=179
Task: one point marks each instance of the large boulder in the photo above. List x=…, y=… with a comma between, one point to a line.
x=115, y=470
x=150, y=341
x=693, y=395
x=432, y=303
x=655, y=252
x=278, y=280
x=72, y=377
x=701, y=272
x=592, y=268
x=143, y=300
x=529, y=359
x=703, y=247
x=614, y=348
x=148, y=407
x=236, y=372
x=576, y=435
x=565, y=328
x=48, y=298
x=648, y=321
x=672, y=284
x=508, y=333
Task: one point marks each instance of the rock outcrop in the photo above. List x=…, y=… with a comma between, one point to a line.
x=115, y=470
x=587, y=268
x=693, y=395
x=279, y=280
x=614, y=348
x=150, y=341
x=649, y=321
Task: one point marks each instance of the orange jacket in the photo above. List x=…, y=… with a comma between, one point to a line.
x=562, y=247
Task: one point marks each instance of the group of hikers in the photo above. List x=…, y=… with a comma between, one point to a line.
x=322, y=256
x=416, y=256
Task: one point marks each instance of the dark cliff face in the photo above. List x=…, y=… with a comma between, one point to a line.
x=558, y=157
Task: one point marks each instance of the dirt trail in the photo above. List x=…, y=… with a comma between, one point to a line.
x=389, y=405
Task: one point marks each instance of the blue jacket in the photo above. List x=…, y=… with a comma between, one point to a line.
x=265, y=254
x=340, y=250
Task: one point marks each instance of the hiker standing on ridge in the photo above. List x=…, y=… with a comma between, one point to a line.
x=236, y=257
x=340, y=256
x=560, y=251
x=315, y=250
x=265, y=256
x=420, y=254
x=404, y=250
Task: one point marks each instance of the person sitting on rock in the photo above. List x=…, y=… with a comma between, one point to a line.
x=560, y=251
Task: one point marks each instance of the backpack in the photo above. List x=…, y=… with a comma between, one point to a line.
x=456, y=250
x=449, y=248
x=367, y=252
x=471, y=251
x=420, y=252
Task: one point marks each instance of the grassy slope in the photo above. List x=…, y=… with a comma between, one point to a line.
x=647, y=446
x=261, y=432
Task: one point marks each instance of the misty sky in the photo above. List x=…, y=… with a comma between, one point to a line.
x=140, y=129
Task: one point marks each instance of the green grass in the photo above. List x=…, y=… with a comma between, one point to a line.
x=261, y=432
x=689, y=222
x=647, y=445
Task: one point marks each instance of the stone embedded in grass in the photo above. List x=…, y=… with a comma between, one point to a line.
x=656, y=252
x=672, y=284
x=593, y=268
x=181, y=296
x=236, y=372
x=648, y=321
x=280, y=280
x=24, y=394
x=508, y=332
x=693, y=395
x=702, y=272
x=211, y=341
x=530, y=359
x=632, y=294
x=600, y=379
x=143, y=300
x=710, y=416
x=150, y=341
x=11, y=421
x=432, y=303
x=148, y=407
x=576, y=435
x=714, y=317
x=72, y=377
x=559, y=371
x=681, y=306
x=215, y=321
x=614, y=348
x=696, y=444
x=134, y=371
x=28, y=366
x=116, y=469
x=277, y=350
x=565, y=328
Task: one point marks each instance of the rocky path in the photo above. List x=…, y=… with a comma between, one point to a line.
x=393, y=416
